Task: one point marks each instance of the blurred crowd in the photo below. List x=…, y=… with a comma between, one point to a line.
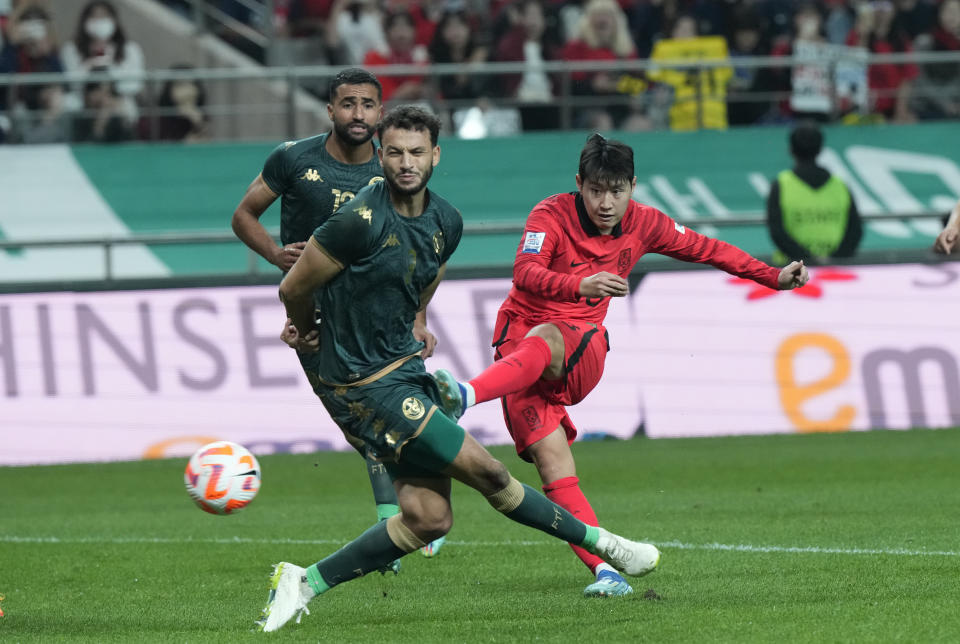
x=102, y=101
x=831, y=39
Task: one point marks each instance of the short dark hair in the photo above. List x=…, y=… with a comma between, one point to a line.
x=394, y=17
x=410, y=117
x=806, y=141
x=355, y=76
x=606, y=161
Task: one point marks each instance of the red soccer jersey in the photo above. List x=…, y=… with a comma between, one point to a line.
x=561, y=246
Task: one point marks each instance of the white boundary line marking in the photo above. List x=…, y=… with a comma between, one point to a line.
x=666, y=545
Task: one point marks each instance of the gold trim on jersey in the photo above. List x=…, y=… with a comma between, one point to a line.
x=327, y=253
x=393, y=366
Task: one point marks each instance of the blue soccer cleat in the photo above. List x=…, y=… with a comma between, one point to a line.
x=432, y=548
x=452, y=394
x=608, y=584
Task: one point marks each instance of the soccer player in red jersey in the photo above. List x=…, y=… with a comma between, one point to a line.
x=549, y=340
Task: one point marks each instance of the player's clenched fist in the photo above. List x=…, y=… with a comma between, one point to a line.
x=310, y=343
x=793, y=275
x=604, y=284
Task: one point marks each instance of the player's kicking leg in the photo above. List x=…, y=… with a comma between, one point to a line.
x=444, y=446
x=531, y=358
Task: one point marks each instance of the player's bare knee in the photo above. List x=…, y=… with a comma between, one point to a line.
x=430, y=526
x=494, y=477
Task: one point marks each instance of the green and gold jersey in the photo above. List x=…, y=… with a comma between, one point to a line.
x=312, y=184
x=388, y=260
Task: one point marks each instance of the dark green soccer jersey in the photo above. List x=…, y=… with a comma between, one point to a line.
x=312, y=184
x=388, y=260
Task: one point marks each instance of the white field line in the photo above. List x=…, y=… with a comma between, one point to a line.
x=665, y=545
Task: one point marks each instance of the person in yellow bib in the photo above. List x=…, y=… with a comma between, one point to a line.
x=811, y=214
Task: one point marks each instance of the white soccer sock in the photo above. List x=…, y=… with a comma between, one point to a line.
x=604, y=566
x=469, y=395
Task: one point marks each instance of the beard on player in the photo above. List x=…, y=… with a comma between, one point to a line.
x=406, y=190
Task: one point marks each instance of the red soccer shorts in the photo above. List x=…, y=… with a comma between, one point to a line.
x=537, y=411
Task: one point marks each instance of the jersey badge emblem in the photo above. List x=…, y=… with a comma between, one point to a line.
x=413, y=408
x=438, y=243
x=533, y=242
x=391, y=241
x=312, y=175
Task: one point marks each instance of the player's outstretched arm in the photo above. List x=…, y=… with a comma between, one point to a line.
x=946, y=241
x=793, y=275
x=246, y=225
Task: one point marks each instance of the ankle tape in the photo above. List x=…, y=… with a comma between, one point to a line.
x=402, y=536
x=507, y=499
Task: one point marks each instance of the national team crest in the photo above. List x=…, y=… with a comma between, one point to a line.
x=623, y=262
x=532, y=417
x=413, y=408
x=438, y=242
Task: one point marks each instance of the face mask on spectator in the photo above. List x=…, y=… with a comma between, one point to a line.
x=100, y=28
x=33, y=30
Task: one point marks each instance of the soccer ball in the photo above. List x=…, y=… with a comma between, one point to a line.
x=222, y=477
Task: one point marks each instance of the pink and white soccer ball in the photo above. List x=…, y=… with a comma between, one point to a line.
x=222, y=477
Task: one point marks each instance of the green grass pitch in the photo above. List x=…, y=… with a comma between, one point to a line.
x=819, y=538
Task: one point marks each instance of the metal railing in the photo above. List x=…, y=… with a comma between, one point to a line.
x=284, y=104
x=253, y=272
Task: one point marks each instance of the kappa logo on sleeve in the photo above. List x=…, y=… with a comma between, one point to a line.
x=679, y=228
x=533, y=242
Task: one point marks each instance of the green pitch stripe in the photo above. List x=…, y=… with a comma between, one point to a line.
x=675, y=545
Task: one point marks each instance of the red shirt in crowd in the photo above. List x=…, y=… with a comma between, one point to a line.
x=886, y=78
x=390, y=84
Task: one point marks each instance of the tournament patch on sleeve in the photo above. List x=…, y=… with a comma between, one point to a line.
x=533, y=242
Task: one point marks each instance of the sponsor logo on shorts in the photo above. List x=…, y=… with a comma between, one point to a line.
x=533, y=242
x=413, y=408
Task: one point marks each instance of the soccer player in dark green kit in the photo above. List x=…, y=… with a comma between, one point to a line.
x=377, y=262
x=313, y=177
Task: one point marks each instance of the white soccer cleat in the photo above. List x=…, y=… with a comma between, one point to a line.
x=630, y=557
x=289, y=594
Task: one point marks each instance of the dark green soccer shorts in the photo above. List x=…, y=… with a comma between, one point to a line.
x=397, y=419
